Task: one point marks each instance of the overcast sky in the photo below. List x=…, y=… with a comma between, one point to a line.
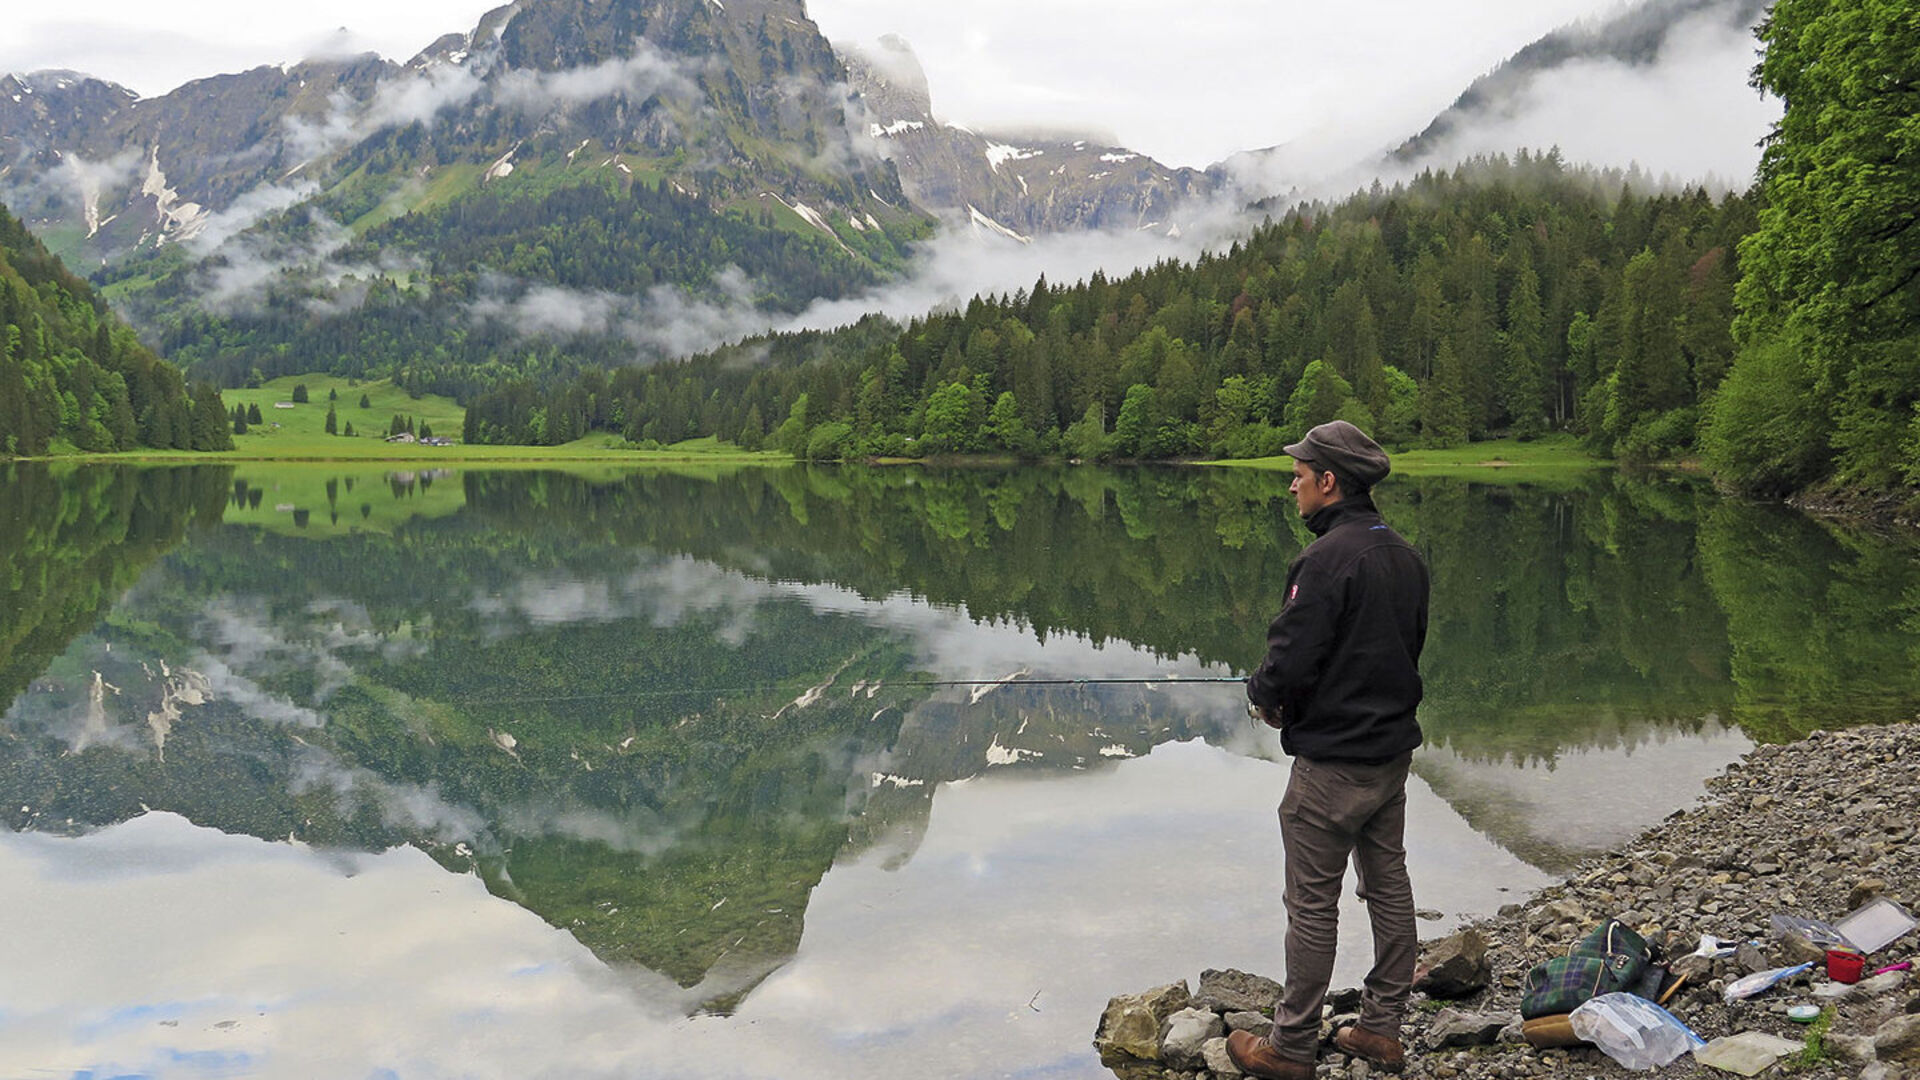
x=1186, y=81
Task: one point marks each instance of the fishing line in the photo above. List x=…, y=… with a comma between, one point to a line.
x=865, y=687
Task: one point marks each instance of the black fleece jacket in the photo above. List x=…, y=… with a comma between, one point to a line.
x=1343, y=655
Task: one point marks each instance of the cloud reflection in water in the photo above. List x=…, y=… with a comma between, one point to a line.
x=1031, y=899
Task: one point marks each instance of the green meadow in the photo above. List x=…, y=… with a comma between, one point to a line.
x=1556, y=457
x=296, y=431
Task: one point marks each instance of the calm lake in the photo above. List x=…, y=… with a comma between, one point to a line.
x=353, y=772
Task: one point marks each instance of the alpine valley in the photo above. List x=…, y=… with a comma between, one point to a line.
x=570, y=183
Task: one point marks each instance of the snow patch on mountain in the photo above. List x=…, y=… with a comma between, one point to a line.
x=987, y=224
x=999, y=154
x=898, y=127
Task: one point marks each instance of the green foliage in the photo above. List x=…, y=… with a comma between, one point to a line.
x=1835, y=262
x=1321, y=395
x=791, y=435
x=1006, y=429
x=947, y=426
x=829, y=442
x=1767, y=427
x=71, y=373
x=1087, y=438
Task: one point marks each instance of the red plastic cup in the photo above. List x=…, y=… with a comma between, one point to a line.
x=1845, y=965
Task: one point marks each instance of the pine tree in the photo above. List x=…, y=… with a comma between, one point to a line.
x=1522, y=388
x=1443, y=411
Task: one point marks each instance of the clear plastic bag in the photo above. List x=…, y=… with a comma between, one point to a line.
x=1748, y=985
x=1633, y=1031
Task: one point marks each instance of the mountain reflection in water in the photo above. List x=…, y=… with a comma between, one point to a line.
x=645, y=745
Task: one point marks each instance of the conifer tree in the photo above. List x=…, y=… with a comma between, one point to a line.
x=1443, y=410
x=1522, y=388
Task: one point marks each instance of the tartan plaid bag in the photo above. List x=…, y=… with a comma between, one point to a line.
x=1610, y=958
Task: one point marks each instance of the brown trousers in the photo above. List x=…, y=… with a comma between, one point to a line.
x=1335, y=811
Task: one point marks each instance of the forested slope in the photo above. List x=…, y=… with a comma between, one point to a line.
x=1502, y=297
x=71, y=372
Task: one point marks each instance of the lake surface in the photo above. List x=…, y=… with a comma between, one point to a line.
x=323, y=770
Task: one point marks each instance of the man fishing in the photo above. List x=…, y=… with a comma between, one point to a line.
x=1341, y=681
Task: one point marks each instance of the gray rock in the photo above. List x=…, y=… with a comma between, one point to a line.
x=1129, y=1031
x=1855, y=1048
x=1898, y=1041
x=1457, y=1027
x=1345, y=999
x=1865, y=988
x=1235, y=991
x=1884, y=983
x=1559, y=911
x=1183, y=1038
x=1695, y=968
x=1248, y=1020
x=1750, y=958
x=1794, y=948
x=1218, y=1062
x=1866, y=889
x=1455, y=966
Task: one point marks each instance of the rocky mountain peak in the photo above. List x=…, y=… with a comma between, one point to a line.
x=891, y=79
x=1003, y=184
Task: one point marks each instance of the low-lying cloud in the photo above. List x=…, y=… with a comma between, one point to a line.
x=669, y=322
x=645, y=73
x=1689, y=116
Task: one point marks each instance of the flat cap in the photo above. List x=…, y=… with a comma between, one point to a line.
x=1345, y=449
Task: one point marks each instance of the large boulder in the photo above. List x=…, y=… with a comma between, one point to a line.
x=1129, y=1031
x=1184, y=1037
x=1236, y=991
x=1455, y=966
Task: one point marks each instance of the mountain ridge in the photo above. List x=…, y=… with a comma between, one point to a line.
x=1004, y=183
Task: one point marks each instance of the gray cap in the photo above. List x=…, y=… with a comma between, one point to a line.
x=1345, y=449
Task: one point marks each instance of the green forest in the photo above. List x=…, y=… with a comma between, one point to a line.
x=1502, y=297
x=72, y=373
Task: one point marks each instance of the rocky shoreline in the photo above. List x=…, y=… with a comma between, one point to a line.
x=1813, y=828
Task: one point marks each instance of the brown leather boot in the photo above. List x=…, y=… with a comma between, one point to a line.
x=1255, y=1056
x=1382, y=1051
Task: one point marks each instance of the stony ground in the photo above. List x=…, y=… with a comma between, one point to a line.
x=1813, y=828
